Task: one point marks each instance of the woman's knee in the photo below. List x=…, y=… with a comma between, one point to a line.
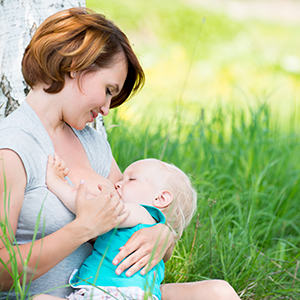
x=222, y=290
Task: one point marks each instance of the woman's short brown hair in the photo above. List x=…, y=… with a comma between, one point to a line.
x=74, y=39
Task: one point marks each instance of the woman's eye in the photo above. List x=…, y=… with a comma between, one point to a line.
x=131, y=178
x=108, y=92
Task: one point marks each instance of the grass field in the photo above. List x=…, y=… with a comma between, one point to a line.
x=247, y=230
x=220, y=102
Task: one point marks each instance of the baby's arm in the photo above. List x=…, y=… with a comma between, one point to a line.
x=138, y=215
x=56, y=183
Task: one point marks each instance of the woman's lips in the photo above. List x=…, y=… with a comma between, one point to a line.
x=94, y=115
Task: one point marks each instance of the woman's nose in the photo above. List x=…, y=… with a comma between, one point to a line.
x=104, y=109
x=118, y=185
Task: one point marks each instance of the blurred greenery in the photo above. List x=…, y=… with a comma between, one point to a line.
x=221, y=102
x=236, y=62
x=247, y=226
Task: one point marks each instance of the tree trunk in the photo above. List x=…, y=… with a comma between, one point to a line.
x=18, y=21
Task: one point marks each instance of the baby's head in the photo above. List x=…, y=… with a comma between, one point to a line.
x=156, y=183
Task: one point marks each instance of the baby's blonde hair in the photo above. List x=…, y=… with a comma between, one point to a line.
x=181, y=211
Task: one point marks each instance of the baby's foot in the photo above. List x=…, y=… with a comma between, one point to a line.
x=56, y=171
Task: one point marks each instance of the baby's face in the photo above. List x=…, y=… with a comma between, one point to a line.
x=141, y=183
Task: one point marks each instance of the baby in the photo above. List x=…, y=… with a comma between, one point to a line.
x=154, y=192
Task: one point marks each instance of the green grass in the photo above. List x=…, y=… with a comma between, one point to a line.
x=246, y=172
x=234, y=128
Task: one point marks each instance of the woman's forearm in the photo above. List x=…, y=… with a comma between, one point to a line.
x=45, y=253
x=170, y=246
x=94, y=217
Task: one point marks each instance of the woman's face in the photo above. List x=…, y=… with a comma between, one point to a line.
x=91, y=91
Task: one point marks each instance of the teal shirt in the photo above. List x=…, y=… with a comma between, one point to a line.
x=106, y=248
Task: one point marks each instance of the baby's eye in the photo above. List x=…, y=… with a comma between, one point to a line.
x=131, y=178
x=108, y=91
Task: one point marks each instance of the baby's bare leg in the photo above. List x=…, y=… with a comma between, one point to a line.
x=56, y=183
x=201, y=290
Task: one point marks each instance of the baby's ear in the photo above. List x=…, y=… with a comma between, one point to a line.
x=163, y=200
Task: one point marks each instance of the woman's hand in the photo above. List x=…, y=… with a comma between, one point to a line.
x=99, y=214
x=145, y=249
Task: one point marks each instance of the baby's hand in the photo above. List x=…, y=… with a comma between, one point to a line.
x=56, y=171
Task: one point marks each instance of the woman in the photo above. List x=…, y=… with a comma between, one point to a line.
x=78, y=64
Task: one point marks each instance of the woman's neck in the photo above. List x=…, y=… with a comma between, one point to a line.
x=48, y=109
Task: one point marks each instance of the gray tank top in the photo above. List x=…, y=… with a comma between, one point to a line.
x=24, y=133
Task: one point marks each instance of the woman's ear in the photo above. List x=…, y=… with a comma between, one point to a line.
x=163, y=200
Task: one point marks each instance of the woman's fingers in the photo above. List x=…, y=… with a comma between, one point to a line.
x=81, y=191
x=143, y=250
x=152, y=263
x=126, y=250
x=116, y=199
x=137, y=253
x=139, y=260
x=144, y=263
x=101, y=213
x=122, y=214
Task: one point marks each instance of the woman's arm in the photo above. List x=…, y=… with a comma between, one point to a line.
x=94, y=217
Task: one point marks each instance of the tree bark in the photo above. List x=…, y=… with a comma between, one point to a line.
x=18, y=21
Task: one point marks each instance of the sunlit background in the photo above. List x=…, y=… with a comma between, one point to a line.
x=202, y=53
x=221, y=101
